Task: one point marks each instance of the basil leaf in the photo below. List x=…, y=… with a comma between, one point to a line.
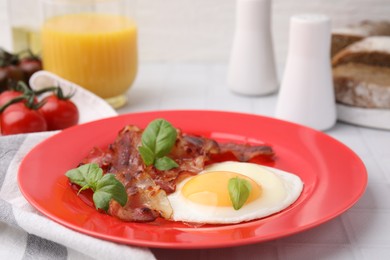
x=101, y=199
x=93, y=174
x=166, y=138
x=147, y=155
x=105, y=187
x=86, y=175
x=158, y=139
x=76, y=176
x=149, y=136
x=108, y=187
x=159, y=136
x=165, y=163
x=239, y=190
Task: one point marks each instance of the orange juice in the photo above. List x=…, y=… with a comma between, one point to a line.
x=96, y=51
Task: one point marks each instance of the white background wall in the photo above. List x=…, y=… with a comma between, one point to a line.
x=202, y=30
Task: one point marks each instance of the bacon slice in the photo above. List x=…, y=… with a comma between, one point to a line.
x=245, y=152
x=147, y=187
x=146, y=200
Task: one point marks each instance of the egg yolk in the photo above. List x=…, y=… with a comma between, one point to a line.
x=211, y=188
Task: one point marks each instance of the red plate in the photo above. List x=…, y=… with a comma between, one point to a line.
x=333, y=175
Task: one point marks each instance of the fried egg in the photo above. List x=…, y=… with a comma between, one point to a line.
x=204, y=198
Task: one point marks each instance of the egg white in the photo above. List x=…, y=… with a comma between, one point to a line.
x=279, y=190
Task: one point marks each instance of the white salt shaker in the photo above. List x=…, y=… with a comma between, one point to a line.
x=306, y=95
x=252, y=67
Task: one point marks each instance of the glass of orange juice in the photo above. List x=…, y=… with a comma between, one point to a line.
x=92, y=43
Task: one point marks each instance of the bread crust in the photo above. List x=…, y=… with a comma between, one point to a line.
x=345, y=36
x=358, y=93
x=340, y=41
x=373, y=50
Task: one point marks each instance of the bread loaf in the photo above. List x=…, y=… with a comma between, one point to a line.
x=373, y=50
x=361, y=71
x=362, y=85
x=342, y=37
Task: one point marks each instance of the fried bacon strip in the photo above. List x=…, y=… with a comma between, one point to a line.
x=245, y=152
x=147, y=187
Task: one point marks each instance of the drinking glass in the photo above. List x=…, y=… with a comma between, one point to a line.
x=92, y=43
x=24, y=23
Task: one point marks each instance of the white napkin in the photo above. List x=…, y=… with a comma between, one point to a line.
x=26, y=233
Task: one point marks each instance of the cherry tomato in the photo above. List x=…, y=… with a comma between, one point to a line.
x=59, y=113
x=29, y=66
x=8, y=95
x=13, y=72
x=11, y=94
x=18, y=118
x=3, y=79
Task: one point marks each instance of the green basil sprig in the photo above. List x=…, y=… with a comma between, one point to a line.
x=239, y=190
x=105, y=187
x=158, y=139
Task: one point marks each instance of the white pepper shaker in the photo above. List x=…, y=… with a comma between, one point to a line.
x=252, y=67
x=306, y=94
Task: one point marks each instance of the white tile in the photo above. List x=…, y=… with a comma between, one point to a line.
x=141, y=100
x=152, y=74
x=385, y=166
x=226, y=100
x=369, y=227
x=375, y=197
x=264, y=251
x=332, y=232
x=378, y=141
x=256, y=251
x=371, y=253
x=265, y=105
x=218, y=75
x=376, y=173
x=311, y=251
x=181, y=103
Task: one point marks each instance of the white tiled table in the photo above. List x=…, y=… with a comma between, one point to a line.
x=363, y=232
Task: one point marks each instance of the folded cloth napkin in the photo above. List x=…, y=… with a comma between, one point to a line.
x=24, y=232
